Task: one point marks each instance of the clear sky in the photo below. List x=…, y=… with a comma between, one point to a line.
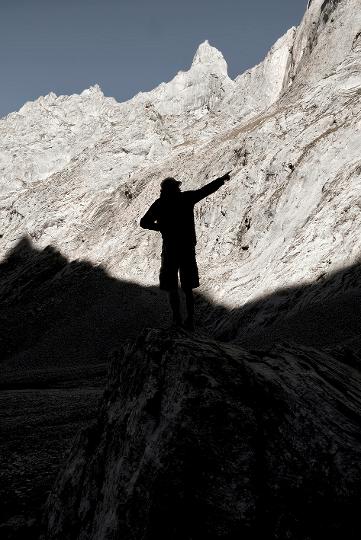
x=127, y=46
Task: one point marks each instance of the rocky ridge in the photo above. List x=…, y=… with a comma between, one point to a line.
x=197, y=439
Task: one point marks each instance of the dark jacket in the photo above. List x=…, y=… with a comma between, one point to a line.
x=173, y=215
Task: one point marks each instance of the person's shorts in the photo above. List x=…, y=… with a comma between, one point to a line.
x=182, y=260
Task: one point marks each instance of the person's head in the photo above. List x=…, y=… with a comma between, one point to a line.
x=169, y=186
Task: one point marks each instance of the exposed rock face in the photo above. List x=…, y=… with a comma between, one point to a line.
x=262, y=85
x=200, y=440
x=322, y=40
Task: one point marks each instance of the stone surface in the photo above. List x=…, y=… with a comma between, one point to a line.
x=195, y=439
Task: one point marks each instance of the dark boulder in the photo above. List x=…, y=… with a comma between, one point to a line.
x=197, y=439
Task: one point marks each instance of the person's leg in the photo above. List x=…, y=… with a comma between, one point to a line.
x=189, y=280
x=174, y=302
x=168, y=280
x=189, y=322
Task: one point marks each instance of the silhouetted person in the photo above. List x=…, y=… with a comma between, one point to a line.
x=172, y=215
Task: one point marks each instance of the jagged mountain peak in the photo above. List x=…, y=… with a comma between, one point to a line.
x=94, y=90
x=207, y=55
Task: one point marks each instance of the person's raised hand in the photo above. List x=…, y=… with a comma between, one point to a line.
x=226, y=176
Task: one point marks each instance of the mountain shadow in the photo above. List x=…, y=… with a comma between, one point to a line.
x=323, y=314
x=61, y=316
x=60, y=320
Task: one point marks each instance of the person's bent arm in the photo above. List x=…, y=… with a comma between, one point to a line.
x=150, y=219
x=206, y=190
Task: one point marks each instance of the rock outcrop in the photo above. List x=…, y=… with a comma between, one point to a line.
x=197, y=439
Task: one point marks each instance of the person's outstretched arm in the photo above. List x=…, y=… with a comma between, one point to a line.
x=199, y=194
x=150, y=218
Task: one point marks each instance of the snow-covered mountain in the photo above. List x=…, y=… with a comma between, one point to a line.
x=79, y=171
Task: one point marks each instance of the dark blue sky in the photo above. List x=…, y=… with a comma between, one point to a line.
x=127, y=46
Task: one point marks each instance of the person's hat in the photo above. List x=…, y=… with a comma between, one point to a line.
x=169, y=183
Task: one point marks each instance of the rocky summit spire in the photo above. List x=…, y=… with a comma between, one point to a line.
x=93, y=90
x=207, y=55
